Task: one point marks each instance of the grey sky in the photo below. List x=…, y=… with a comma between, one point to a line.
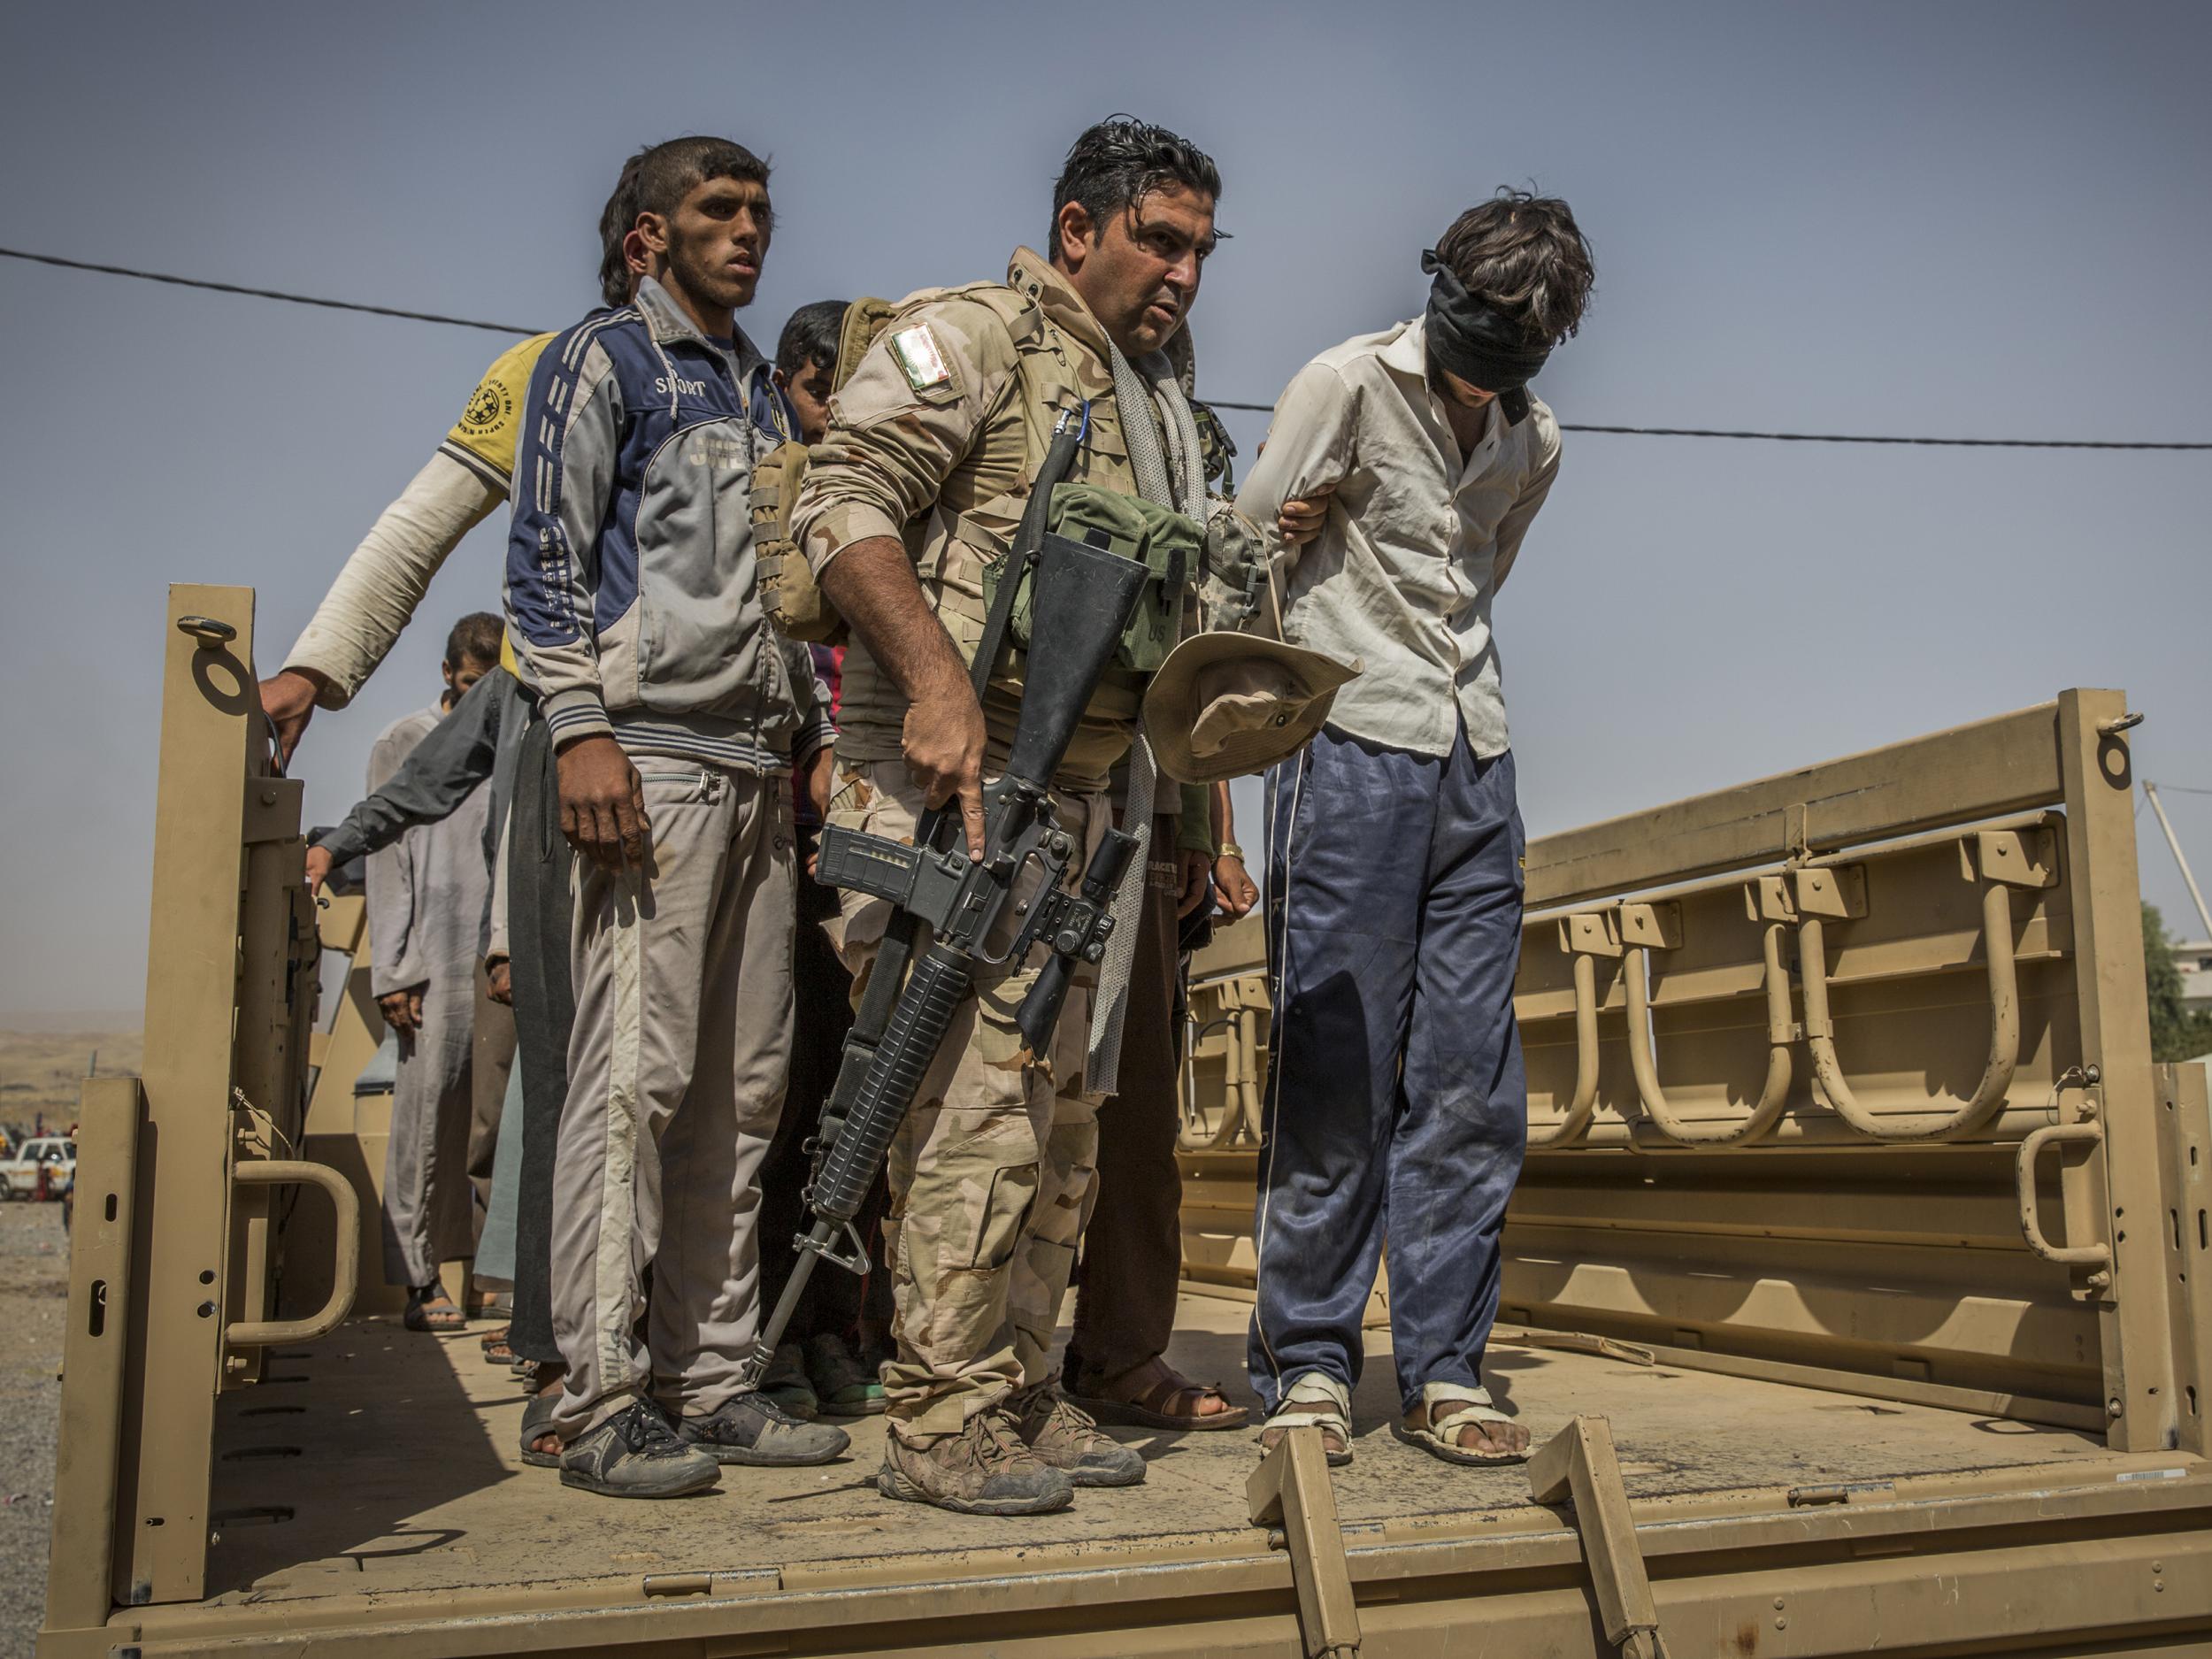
x=1964, y=220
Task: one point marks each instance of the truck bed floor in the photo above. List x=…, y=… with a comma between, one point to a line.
x=383, y=1459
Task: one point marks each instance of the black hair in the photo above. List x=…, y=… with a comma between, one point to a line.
x=1523, y=255
x=655, y=180
x=475, y=639
x=614, y=220
x=670, y=171
x=1119, y=162
x=809, y=338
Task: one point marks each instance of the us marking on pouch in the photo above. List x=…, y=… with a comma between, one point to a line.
x=919, y=358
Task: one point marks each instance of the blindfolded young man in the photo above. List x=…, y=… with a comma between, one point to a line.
x=1403, y=470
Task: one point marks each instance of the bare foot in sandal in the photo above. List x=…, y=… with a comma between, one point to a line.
x=1334, y=1447
x=540, y=1446
x=1479, y=1434
x=1313, y=1400
x=430, y=1308
x=1155, y=1396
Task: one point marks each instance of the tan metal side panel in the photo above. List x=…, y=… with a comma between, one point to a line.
x=1998, y=766
x=2062, y=1571
x=2185, y=1187
x=2115, y=1193
x=261, y=1059
x=355, y=1027
x=93, y=1352
x=337, y=1134
x=211, y=723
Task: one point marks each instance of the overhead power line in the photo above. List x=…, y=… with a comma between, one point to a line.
x=1261, y=409
x=1842, y=437
x=1828, y=437
x=265, y=294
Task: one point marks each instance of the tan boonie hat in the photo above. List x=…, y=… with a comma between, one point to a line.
x=1227, y=704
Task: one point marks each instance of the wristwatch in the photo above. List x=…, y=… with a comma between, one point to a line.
x=1230, y=849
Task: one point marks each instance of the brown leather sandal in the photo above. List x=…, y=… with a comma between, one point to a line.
x=1164, y=1398
x=434, y=1311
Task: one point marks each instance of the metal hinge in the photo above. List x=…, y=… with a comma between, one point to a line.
x=1578, y=1462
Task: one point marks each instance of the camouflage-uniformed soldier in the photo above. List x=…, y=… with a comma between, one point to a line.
x=919, y=487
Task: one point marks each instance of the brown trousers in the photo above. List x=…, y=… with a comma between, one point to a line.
x=1132, y=1252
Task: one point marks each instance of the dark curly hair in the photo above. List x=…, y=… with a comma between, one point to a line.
x=1119, y=162
x=809, y=338
x=1525, y=255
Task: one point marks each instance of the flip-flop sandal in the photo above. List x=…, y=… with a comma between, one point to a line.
x=435, y=1313
x=1156, y=1402
x=1446, y=1444
x=498, y=1352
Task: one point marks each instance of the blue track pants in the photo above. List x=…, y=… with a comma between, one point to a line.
x=1397, y=1104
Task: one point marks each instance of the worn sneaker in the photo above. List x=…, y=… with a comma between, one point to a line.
x=751, y=1428
x=786, y=1383
x=984, y=1470
x=845, y=1387
x=634, y=1453
x=1068, y=1438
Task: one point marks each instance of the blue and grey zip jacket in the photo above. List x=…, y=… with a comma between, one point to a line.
x=631, y=590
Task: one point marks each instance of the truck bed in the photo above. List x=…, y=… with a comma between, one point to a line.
x=1955, y=1191
x=381, y=1460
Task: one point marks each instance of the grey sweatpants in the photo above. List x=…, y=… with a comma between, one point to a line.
x=427, y=1199
x=676, y=1073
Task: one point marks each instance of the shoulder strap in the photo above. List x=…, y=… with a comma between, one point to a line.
x=867, y=316
x=864, y=319
x=1048, y=386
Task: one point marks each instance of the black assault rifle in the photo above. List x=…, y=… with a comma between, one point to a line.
x=1082, y=599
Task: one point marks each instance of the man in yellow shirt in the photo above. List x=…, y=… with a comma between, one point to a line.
x=376, y=592
x=360, y=618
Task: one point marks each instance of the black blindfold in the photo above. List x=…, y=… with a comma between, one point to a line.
x=1480, y=345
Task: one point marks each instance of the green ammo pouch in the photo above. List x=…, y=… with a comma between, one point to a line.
x=1170, y=545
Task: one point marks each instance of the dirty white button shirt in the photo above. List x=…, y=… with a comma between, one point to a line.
x=1418, y=541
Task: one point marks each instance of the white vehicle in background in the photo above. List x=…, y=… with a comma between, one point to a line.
x=44, y=1166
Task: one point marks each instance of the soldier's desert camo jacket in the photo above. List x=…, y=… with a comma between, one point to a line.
x=933, y=442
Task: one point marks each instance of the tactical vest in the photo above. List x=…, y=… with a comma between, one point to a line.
x=972, y=526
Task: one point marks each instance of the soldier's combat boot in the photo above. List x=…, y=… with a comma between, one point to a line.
x=984, y=1470
x=1069, y=1439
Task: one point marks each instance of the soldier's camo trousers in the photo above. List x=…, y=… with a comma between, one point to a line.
x=991, y=1172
